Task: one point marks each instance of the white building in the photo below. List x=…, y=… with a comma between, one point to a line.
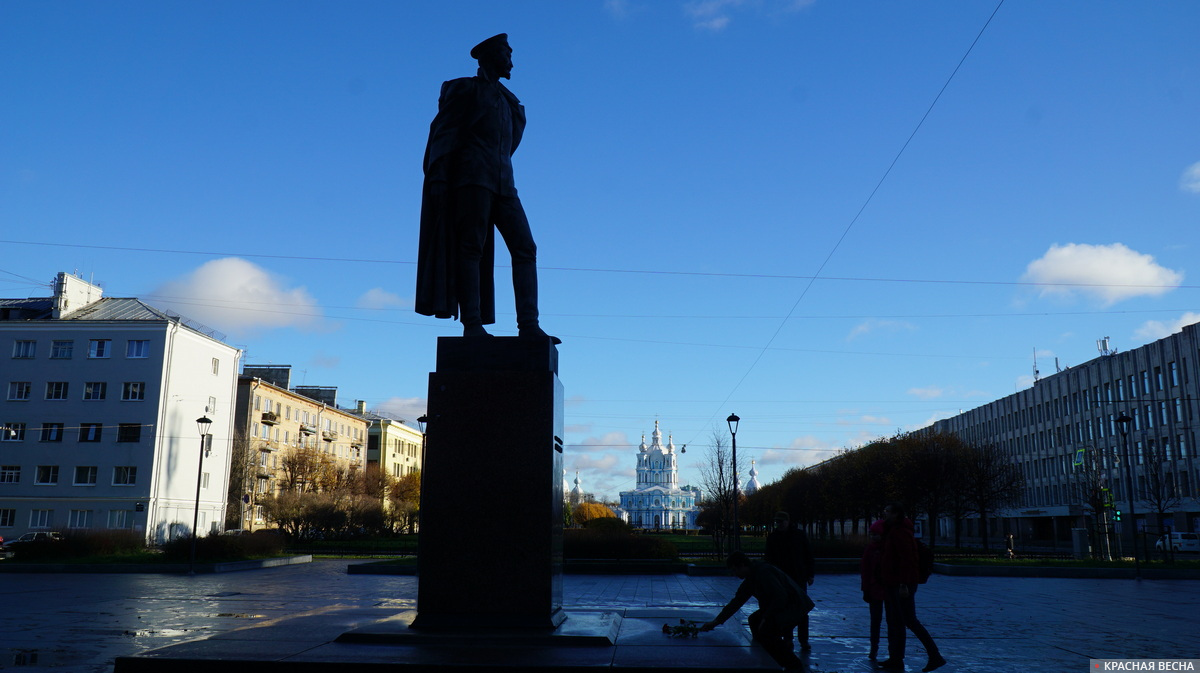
x=658, y=501
x=98, y=422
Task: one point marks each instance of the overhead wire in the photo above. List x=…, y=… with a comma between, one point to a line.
x=866, y=202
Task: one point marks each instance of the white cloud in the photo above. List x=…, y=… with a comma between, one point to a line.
x=711, y=15
x=1190, y=180
x=378, y=298
x=1153, y=330
x=1111, y=273
x=619, y=9
x=407, y=408
x=927, y=393
x=874, y=325
x=324, y=360
x=716, y=15
x=610, y=441
x=236, y=296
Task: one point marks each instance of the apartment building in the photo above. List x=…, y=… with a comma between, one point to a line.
x=1079, y=422
x=392, y=444
x=288, y=438
x=98, y=420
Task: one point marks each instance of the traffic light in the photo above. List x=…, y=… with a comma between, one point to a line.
x=1116, y=515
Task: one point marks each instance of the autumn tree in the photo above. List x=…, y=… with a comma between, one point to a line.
x=586, y=511
x=404, y=498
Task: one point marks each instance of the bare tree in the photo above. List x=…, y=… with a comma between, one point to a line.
x=992, y=482
x=1158, y=488
x=718, y=479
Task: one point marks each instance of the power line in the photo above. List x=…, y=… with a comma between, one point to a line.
x=649, y=272
x=845, y=232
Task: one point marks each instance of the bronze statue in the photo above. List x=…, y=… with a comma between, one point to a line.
x=469, y=193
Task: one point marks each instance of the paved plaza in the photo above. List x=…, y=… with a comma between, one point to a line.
x=81, y=622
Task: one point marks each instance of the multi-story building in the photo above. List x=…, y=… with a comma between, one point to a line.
x=658, y=501
x=98, y=421
x=1067, y=429
x=288, y=439
x=392, y=444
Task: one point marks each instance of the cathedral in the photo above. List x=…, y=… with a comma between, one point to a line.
x=658, y=502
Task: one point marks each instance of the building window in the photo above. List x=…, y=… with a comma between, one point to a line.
x=99, y=348
x=90, y=432
x=8, y=518
x=120, y=518
x=137, y=348
x=204, y=480
x=1174, y=373
x=80, y=518
x=61, y=350
x=41, y=518
x=10, y=474
x=85, y=475
x=52, y=432
x=124, y=475
x=129, y=432
x=19, y=390
x=46, y=475
x=95, y=390
x=12, y=432
x=133, y=391
x=57, y=390
x=24, y=350
x=216, y=366
x=212, y=405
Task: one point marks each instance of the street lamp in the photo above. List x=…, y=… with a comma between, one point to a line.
x=1123, y=422
x=203, y=423
x=737, y=528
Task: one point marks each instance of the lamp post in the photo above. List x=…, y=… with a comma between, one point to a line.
x=737, y=527
x=1123, y=422
x=203, y=423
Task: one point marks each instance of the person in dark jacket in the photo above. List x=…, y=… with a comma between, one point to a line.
x=872, y=584
x=788, y=550
x=781, y=603
x=468, y=193
x=899, y=571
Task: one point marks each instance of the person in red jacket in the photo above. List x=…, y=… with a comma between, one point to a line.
x=872, y=583
x=900, y=575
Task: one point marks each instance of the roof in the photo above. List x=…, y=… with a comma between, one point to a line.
x=117, y=308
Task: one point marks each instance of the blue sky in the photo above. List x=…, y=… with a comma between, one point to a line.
x=688, y=169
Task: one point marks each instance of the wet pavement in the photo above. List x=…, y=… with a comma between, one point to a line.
x=80, y=623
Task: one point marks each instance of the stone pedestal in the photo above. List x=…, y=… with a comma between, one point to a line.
x=490, y=546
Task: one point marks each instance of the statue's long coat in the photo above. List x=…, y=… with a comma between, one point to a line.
x=458, y=154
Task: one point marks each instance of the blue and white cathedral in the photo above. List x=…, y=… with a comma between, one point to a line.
x=658, y=501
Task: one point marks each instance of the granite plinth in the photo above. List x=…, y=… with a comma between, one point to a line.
x=494, y=432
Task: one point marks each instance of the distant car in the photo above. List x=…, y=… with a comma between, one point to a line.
x=32, y=537
x=1179, y=542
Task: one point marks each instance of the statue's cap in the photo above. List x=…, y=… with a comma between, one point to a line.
x=494, y=42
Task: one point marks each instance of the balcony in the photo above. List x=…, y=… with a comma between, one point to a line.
x=329, y=436
x=306, y=429
x=270, y=418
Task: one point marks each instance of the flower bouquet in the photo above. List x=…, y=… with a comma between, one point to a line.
x=685, y=629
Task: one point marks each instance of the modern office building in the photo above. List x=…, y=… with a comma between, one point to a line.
x=98, y=423
x=1067, y=429
x=288, y=438
x=658, y=501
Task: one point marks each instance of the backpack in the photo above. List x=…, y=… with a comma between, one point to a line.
x=924, y=562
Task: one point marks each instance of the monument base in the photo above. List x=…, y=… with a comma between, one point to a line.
x=490, y=545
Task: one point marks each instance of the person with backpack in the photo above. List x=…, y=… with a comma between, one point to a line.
x=900, y=572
